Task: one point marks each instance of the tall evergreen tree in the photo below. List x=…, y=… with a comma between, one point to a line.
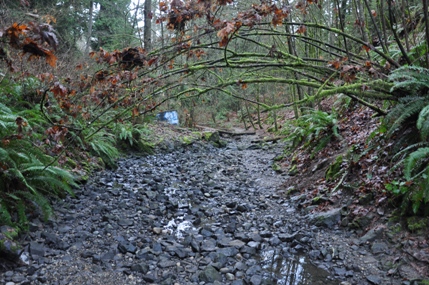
x=113, y=27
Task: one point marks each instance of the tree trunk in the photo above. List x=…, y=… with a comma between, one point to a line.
x=147, y=32
x=90, y=22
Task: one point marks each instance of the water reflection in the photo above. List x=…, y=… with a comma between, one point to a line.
x=293, y=270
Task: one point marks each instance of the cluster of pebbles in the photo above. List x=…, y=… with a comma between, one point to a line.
x=196, y=215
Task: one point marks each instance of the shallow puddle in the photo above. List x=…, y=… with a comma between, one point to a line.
x=293, y=270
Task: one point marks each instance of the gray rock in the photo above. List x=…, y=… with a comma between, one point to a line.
x=228, y=251
x=379, y=247
x=287, y=237
x=236, y=243
x=125, y=222
x=125, y=247
x=372, y=234
x=374, y=279
x=229, y=276
x=254, y=244
x=18, y=278
x=140, y=267
x=256, y=280
x=209, y=274
x=37, y=249
x=208, y=245
x=327, y=219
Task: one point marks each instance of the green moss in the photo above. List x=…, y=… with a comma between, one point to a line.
x=70, y=163
x=276, y=167
x=293, y=170
x=145, y=147
x=417, y=223
x=187, y=140
x=334, y=169
x=316, y=200
x=291, y=190
x=278, y=158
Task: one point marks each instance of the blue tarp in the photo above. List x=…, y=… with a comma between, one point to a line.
x=169, y=116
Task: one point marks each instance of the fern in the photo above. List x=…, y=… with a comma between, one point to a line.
x=314, y=130
x=401, y=113
x=5, y=216
x=423, y=123
x=126, y=133
x=410, y=119
x=103, y=144
x=414, y=161
x=26, y=182
x=411, y=78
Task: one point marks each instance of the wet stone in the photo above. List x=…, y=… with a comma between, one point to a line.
x=379, y=247
x=37, y=249
x=208, y=245
x=125, y=247
x=125, y=222
x=210, y=274
x=256, y=280
x=374, y=279
x=228, y=251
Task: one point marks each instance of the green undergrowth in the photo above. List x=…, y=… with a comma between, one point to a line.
x=29, y=177
x=400, y=144
x=312, y=131
x=406, y=129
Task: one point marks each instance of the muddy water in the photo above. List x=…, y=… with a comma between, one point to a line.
x=293, y=270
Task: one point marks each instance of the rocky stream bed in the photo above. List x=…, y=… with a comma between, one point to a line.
x=200, y=215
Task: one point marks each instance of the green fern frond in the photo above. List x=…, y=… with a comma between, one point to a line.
x=414, y=161
x=401, y=113
x=16, y=173
x=410, y=77
x=22, y=217
x=104, y=146
x=406, y=150
x=6, y=159
x=34, y=117
x=50, y=185
x=5, y=109
x=5, y=216
x=423, y=123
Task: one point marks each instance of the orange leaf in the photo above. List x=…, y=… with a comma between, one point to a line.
x=152, y=61
x=59, y=89
x=366, y=48
x=163, y=7
x=335, y=64
x=301, y=30
x=51, y=59
x=135, y=112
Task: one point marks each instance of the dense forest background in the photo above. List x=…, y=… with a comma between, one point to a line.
x=80, y=80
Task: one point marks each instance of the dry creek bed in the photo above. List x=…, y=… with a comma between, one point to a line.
x=201, y=215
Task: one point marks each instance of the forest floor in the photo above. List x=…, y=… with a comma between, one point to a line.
x=195, y=214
